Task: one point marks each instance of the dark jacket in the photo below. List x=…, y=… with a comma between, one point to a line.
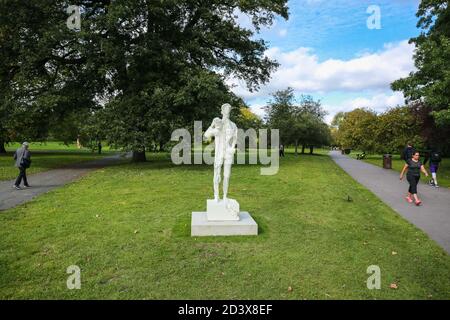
x=21, y=153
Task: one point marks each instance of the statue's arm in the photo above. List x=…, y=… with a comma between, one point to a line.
x=210, y=132
x=232, y=146
x=235, y=136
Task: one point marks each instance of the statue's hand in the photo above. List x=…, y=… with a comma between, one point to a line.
x=231, y=150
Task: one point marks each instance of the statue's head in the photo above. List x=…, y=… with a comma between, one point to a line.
x=226, y=109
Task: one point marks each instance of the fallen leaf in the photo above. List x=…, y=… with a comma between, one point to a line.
x=290, y=289
x=394, y=253
x=393, y=286
x=136, y=231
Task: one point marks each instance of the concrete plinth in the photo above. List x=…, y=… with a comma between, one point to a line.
x=245, y=226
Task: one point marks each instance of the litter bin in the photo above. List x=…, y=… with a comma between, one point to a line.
x=387, y=161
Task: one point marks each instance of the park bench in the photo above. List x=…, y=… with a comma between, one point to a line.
x=361, y=156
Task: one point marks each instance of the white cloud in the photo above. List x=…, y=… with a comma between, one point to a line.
x=302, y=70
x=258, y=109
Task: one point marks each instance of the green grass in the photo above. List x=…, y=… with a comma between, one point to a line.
x=128, y=228
x=443, y=174
x=45, y=157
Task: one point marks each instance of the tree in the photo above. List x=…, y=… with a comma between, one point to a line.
x=246, y=119
x=357, y=129
x=430, y=84
x=280, y=112
x=337, y=119
x=140, y=66
x=311, y=116
x=394, y=128
x=299, y=124
x=43, y=70
x=164, y=60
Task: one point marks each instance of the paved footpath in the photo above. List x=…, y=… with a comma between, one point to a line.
x=49, y=180
x=433, y=217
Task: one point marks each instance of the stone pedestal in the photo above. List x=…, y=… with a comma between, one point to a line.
x=222, y=210
x=245, y=226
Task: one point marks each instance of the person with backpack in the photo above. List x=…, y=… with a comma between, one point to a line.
x=22, y=156
x=414, y=167
x=435, y=160
x=408, y=152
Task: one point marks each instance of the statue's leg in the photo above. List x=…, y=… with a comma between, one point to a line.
x=226, y=178
x=216, y=181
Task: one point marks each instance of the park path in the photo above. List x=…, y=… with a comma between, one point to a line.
x=433, y=217
x=49, y=180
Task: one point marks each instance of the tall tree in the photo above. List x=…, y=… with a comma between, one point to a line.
x=299, y=123
x=357, y=129
x=141, y=66
x=431, y=82
x=280, y=112
x=167, y=61
x=394, y=128
x=43, y=70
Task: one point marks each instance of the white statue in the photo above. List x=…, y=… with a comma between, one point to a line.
x=225, y=138
x=224, y=132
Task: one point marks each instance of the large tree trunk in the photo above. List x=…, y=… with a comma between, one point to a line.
x=303, y=149
x=296, y=147
x=311, y=149
x=2, y=147
x=139, y=156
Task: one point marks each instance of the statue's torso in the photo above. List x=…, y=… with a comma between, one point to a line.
x=224, y=139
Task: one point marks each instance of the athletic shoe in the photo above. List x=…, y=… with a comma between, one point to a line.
x=16, y=187
x=409, y=199
x=28, y=186
x=436, y=186
x=418, y=203
x=431, y=182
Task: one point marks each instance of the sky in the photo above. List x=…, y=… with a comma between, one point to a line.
x=326, y=49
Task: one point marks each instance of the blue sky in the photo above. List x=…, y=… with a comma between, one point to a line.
x=326, y=49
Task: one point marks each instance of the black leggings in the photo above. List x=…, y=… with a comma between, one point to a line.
x=413, y=181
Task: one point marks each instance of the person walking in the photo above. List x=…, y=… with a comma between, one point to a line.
x=22, y=156
x=281, y=150
x=408, y=152
x=435, y=160
x=414, y=166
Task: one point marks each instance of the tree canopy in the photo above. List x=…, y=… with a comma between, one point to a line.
x=139, y=67
x=300, y=123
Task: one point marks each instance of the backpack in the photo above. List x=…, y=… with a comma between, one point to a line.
x=25, y=163
x=435, y=157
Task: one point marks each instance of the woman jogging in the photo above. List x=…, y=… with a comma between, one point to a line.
x=414, y=166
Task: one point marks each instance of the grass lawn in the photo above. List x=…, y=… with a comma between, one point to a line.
x=128, y=228
x=45, y=157
x=443, y=174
